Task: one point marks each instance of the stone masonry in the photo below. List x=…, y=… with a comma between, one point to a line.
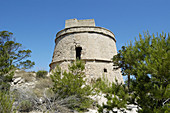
x=94, y=45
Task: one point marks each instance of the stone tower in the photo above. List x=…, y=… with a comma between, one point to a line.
x=94, y=45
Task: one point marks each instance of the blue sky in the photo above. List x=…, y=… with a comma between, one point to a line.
x=36, y=22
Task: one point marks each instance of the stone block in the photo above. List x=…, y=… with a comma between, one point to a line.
x=75, y=22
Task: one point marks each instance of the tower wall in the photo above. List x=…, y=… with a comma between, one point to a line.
x=98, y=45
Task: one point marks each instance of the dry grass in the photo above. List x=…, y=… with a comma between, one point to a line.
x=41, y=85
x=44, y=83
x=27, y=76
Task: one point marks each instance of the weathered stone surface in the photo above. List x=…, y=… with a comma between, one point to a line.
x=98, y=46
x=75, y=22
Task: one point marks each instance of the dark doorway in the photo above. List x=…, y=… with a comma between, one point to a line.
x=78, y=52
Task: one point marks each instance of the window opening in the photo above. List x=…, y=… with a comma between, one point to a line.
x=78, y=52
x=105, y=70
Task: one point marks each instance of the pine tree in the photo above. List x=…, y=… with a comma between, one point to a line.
x=147, y=61
x=12, y=56
x=72, y=83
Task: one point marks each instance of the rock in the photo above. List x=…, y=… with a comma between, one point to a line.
x=17, y=80
x=99, y=98
x=41, y=100
x=21, y=81
x=92, y=111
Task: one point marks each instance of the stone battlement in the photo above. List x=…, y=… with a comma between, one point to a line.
x=75, y=22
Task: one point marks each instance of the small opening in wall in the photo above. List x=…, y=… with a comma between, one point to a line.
x=105, y=70
x=78, y=52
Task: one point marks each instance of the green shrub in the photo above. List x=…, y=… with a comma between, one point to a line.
x=5, y=81
x=117, y=97
x=41, y=74
x=25, y=106
x=72, y=83
x=6, y=102
x=102, y=85
x=116, y=94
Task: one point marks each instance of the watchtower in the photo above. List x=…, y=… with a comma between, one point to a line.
x=83, y=40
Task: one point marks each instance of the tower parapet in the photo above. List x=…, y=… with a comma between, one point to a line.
x=75, y=22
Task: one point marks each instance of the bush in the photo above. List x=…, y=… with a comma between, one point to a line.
x=5, y=80
x=41, y=74
x=6, y=102
x=102, y=85
x=25, y=106
x=117, y=97
x=72, y=83
x=116, y=94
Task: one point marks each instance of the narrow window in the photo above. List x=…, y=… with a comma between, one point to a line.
x=78, y=52
x=105, y=70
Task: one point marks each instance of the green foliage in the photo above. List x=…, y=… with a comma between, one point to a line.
x=147, y=60
x=11, y=57
x=116, y=94
x=102, y=85
x=41, y=74
x=72, y=83
x=12, y=54
x=25, y=106
x=4, y=81
x=6, y=102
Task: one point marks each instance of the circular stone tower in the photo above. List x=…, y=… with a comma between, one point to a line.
x=94, y=45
